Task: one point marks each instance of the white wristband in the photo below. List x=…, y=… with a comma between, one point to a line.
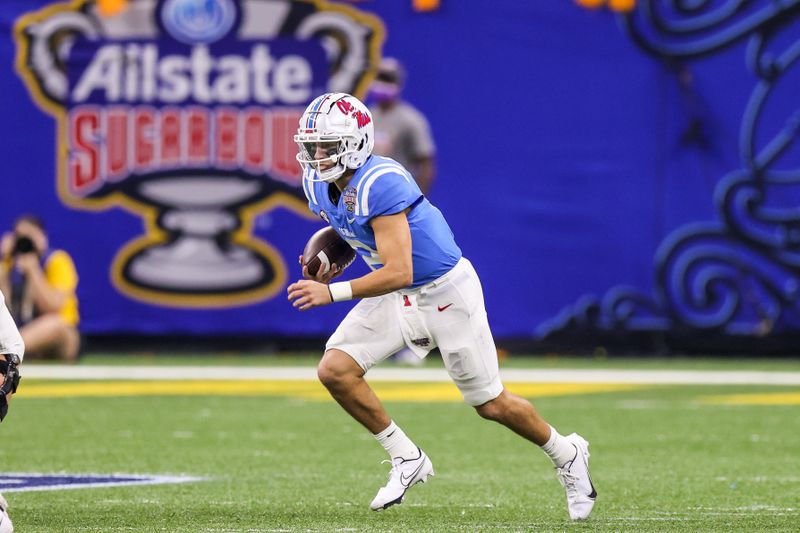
x=341, y=291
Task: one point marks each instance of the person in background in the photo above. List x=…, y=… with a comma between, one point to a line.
x=40, y=285
x=402, y=133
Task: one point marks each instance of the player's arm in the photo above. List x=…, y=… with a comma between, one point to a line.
x=8, y=368
x=12, y=350
x=393, y=240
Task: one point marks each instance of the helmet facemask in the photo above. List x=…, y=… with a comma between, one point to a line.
x=335, y=149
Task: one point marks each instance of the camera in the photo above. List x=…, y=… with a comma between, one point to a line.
x=23, y=245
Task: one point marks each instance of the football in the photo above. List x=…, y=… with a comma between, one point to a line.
x=325, y=248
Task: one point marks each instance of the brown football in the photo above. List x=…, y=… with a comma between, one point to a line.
x=325, y=248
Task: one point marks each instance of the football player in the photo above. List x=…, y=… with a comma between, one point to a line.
x=421, y=293
x=12, y=351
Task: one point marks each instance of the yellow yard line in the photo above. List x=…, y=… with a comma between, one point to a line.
x=309, y=390
x=768, y=398
x=564, y=389
x=172, y=388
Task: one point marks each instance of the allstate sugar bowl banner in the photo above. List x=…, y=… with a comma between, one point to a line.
x=609, y=173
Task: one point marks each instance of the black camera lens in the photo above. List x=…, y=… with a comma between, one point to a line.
x=23, y=246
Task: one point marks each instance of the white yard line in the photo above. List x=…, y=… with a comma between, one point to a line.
x=648, y=377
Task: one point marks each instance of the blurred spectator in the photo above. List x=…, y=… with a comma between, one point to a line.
x=40, y=287
x=401, y=131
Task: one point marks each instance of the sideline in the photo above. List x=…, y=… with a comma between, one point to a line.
x=431, y=375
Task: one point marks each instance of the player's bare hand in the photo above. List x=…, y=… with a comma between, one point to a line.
x=306, y=275
x=305, y=294
x=333, y=272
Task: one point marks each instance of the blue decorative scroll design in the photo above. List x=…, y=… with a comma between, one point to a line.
x=739, y=275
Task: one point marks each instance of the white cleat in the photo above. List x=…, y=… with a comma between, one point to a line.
x=574, y=475
x=404, y=474
x=5, y=522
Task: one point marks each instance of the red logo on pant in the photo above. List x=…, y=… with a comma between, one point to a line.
x=407, y=302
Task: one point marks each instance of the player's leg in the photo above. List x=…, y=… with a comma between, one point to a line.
x=517, y=414
x=369, y=334
x=470, y=356
x=344, y=379
x=569, y=454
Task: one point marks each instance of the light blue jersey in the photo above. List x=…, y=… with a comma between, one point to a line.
x=383, y=187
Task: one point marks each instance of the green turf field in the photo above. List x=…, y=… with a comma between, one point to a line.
x=664, y=458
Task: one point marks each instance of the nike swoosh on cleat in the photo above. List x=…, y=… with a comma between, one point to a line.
x=403, y=478
x=593, y=495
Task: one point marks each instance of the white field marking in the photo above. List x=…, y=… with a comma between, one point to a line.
x=467, y=505
x=761, y=479
x=643, y=404
x=639, y=377
x=650, y=519
x=755, y=508
x=135, y=479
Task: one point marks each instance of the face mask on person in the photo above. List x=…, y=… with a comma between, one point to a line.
x=381, y=91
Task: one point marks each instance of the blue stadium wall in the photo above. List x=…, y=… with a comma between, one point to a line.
x=627, y=179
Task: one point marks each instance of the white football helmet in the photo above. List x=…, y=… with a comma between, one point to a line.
x=339, y=125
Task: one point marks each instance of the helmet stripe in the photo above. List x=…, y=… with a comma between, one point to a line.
x=312, y=117
x=312, y=108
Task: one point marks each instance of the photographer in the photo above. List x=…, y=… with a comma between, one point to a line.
x=40, y=286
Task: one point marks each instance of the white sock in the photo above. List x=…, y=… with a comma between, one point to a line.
x=558, y=449
x=396, y=443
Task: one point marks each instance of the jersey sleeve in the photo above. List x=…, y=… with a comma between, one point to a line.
x=386, y=191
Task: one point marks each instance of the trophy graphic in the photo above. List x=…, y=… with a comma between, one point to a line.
x=199, y=219
x=183, y=111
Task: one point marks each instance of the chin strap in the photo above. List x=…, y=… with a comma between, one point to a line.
x=341, y=171
x=8, y=368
